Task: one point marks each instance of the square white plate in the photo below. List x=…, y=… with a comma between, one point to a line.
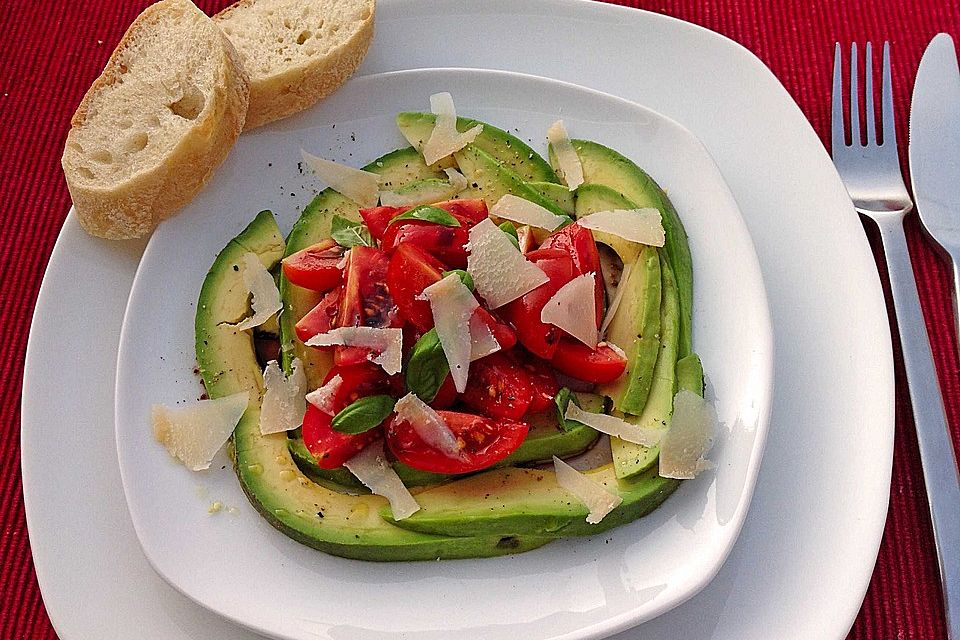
x=810, y=540
x=571, y=588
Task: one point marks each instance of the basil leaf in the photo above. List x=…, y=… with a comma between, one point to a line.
x=511, y=230
x=348, y=233
x=426, y=213
x=563, y=398
x=465, y=277
x=363, y=415
x=427, y=367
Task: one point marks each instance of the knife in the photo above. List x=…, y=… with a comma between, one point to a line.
x=935, y=150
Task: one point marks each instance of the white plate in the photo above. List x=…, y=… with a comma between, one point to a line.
x=622, y=577
x=811, y=537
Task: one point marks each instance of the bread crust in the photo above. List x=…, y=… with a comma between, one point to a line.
x=135, y=207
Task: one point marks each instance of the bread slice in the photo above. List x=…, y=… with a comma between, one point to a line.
x=296, y=51
x=152, y=128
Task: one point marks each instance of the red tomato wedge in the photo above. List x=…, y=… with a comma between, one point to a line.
x=321, y=318
x=544, y=384
x=365, y=300
x=471, y=211
x=446, y=395
x=411, y=271
x=577, y=360
x=579, y=243
x=315, y=267
x=446, y=243
x=485, y=442
x=498, y=387
x=505, y=336
x=524, y=313
x=378, y=218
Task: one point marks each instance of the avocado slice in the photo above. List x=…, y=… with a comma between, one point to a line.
x=429, y=190
x=416, y=127
x=592, y=198
x=343, y=525
x=602, y=165
x=519, y=502
x=491, y=179
x=630, y=459
x=558, y=194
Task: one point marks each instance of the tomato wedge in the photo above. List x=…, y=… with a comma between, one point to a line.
x=469, y=211
x=543, y=382
x=498, y=387
x=316, y=266
x=505, y=336
x=378, y=218
x=446, y=243
x=365, y=300
x=446, y=395
x=485, y=442
x=411, y=271
x=321, y=318
x=579, y=243
x=577, y=360
x=540, y=338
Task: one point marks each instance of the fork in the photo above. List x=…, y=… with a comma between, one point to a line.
x=871, y=174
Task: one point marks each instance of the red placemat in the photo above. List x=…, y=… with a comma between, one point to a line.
x=51, y=52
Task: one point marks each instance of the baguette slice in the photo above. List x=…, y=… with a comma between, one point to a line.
x=296, y=51
x=152, y=128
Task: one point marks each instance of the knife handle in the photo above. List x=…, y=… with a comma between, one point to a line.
x=937, y=456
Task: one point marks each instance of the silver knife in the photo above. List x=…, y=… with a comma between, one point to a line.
x=935, y=150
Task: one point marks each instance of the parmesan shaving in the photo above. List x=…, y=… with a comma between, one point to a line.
x=500, y=273
x=573, y=308
x=322, y=397
x=568, y=162
x=424, y=194
x=283, y=398
x=517, y=209
x=457, y=179
x=482, y=341
x=265, y=297
x=617, y=297
x=453, y=305
x=643, y=226
x=360, y=186
x=371, y=468
x=387, y=343
x=445, y=139
x=428, y=424
x=194, y=433
x=614, y=426
x=688, y=438
x=596, y=497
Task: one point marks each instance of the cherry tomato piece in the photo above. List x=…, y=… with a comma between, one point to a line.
x=579, y=243
x=505, y=336
x=498, y=387
x=577, y=360
x=484, y=441
x=469, y=212
x=411, y=271
x=446, y=243
x=315, y=267
x=378, y=218
x=446, y=395
x=540, y=338
x=321, y=318
x=365, y=300
x=543, y=382
x=331, y=448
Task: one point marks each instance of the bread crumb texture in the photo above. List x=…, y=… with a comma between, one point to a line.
x=296, y=51
x=160, y=118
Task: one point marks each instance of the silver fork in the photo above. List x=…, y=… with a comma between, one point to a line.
x=871, y=173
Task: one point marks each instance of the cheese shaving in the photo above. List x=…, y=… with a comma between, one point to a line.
x=617, y=297
x=265, y=297
x=568, y=162
x=360, y=186
x=596, y=497
x=195, y=433
x=283, y=398
x=445, y=139
x=428, y=424
x=387, y=343
x=614, y=426
x=517, y=209
x=371, y=468
x=453, y=305
x=573, y=308
x=643, y=226
x=322, y=397
x=500, y=273
x=457, y=179
x=423, y=194
x=482, y=341
x=688, y=438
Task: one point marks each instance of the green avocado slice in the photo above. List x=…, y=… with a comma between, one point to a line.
x=558, y=194
x=343, y=525
x=491, y=179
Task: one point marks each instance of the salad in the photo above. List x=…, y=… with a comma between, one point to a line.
x=460, y=350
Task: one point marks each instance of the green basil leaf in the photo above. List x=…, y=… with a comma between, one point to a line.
x=563, y=398
x=465, y=277
x=511, y=230
x=427, y=367
x=348, y=233
x=426, y=213
x=363, y=415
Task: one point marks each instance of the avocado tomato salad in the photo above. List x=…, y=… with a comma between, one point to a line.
x=344, y=267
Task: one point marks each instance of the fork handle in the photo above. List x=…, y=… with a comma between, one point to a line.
x=933, y=434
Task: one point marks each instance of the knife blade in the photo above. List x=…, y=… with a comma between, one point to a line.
x=935, y=149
